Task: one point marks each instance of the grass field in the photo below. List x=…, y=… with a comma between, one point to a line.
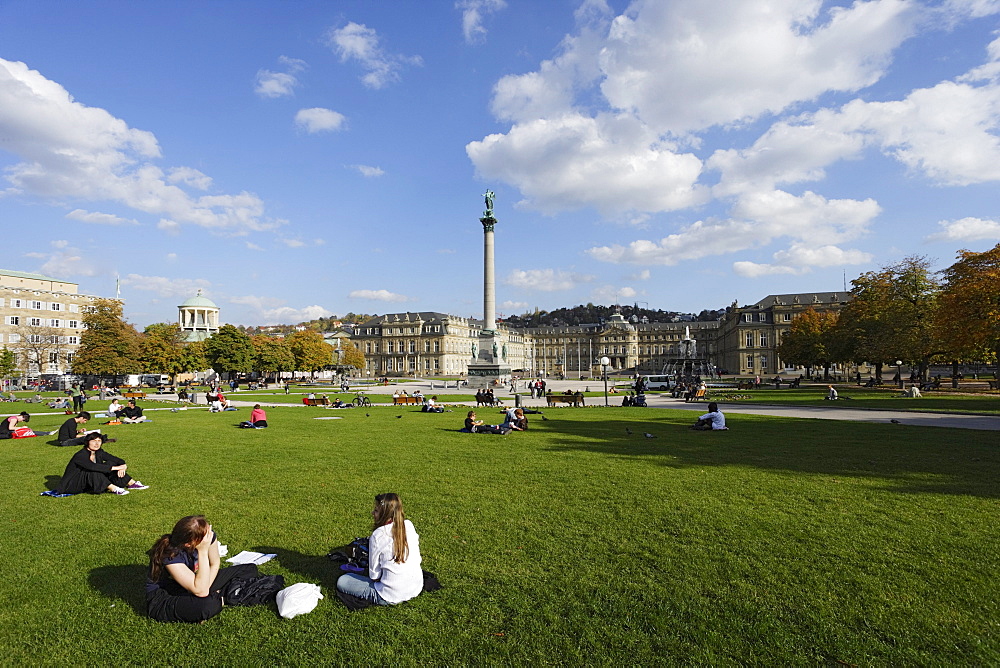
x=779, y=542
x=858, y=397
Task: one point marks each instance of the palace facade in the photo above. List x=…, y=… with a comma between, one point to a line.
x=744, y=341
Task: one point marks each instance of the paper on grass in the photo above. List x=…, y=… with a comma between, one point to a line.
x=247, y=557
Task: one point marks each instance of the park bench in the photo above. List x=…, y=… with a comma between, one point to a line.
x=134, y=395
x=406, y=401
x=572, y=399
x=699, y=395
x=321, y=401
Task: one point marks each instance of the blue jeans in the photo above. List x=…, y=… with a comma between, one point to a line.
x=358, y=585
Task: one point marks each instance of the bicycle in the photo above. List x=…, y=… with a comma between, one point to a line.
x=361, y=400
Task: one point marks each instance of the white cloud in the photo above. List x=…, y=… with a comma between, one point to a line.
x=545, y=280
x=610, y=163
x=473, y=13
x=611, y=294
x=685, y=66
x=292, y=243
x=754, y=270
x=967, y=229
x=378, y=295
x=272, y=311
x=99, y=218
x=66, y=261
x=368, y=171
x=253, y=246
x=801, y=259
x=69, y=151
x=514, y=307
x=279, y=84
x=318, y=119
x=643, y=275
x=171, y=257
x=166, y=287
x=358, y=42
x=191, y=177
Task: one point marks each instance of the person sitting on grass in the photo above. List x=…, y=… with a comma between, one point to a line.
x=430, y=405
x=69, y=432
x=95, y=471
x=713, y=420
x=8, y=426
x=831, y=393
x=114, y=410
x=186, y=578
x=394, y=573
x=258, y=419
x=132, y=414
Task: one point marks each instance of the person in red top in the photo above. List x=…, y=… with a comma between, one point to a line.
x=258, y=417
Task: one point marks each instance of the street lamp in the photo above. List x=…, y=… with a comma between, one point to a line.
x=899, y=373
x=605, y=361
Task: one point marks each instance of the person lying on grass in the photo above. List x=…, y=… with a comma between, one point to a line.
x=94, y=471
x=713, y=420
x=394, y=573
x=476, y=426
x=185, y=578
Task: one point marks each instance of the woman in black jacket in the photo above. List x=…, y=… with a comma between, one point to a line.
x=94, y=471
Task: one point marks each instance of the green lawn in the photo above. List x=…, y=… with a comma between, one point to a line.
x=779, y=542
x=858, y=397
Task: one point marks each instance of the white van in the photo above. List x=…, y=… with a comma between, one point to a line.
x=658, y=383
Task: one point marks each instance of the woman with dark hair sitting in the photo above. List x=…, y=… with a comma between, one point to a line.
x=94, y=471
x=185, y=576
x=394, y=573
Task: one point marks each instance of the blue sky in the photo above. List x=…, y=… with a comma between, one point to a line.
x=304, y=159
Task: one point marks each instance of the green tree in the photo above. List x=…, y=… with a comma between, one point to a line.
x=109, y=346
x=8, y=363
x=892, y=316
x=809, y=341
x=193, y=357
x=310, y=350
x=161, y=349
x=968, y=319
x=352, y=356
x=229, y=351
x=271, y=355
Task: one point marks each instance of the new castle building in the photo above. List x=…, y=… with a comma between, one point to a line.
x=744, y=341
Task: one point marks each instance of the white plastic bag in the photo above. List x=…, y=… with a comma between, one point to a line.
x=298, y=599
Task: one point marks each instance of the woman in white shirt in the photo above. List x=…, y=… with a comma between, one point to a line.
x=394, y=573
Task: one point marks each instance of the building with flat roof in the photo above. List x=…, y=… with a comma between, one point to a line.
x=40, y=321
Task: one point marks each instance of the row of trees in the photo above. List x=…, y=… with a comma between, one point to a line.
x=909, y=313
x=112, y=347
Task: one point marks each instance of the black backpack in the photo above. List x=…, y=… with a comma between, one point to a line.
x=252, y=591
x=354, y=554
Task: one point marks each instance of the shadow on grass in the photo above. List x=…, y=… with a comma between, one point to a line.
x=126, y=583
x=907, y=459
x=313, y=568
x=52, y=481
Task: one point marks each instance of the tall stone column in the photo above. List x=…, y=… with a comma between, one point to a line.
x=489, y=280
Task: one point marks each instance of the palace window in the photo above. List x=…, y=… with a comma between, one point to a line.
x=17, y=303
x=762, y=317
x=749, y=339
x=14, y=320
x=74, y=340
x=35, y=322
x=55, y=322
x=36, y=305
x=763, y=340
x=786, y=317
x=55, y=306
